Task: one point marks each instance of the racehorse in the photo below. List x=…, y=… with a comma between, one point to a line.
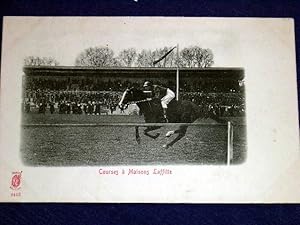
x=181, y=111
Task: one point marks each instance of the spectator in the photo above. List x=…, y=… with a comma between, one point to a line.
x=52, y=107
x=89, y=96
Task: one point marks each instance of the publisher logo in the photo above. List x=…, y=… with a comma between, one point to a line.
x=16, y=180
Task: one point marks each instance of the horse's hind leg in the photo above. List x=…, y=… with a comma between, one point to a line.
x=181, y=133
x=148, y=129
x=186, y=117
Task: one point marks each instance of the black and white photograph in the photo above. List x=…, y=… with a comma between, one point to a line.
x=149, y=109
x=131, y=94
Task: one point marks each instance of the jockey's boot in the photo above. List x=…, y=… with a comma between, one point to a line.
x=166, y=119
x=165, y=115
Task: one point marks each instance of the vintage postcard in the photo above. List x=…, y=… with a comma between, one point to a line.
x=149, y=109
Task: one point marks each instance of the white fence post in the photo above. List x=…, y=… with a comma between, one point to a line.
x=229, y=142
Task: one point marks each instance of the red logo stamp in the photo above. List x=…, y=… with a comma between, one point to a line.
x=16, y=180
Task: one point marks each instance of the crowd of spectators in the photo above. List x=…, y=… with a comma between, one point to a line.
x=212, y=86
x=221, y=104
x=93, y=97
x=90, y=84
x=67, y=102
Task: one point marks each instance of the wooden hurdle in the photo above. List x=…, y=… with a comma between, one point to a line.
x=228, y=124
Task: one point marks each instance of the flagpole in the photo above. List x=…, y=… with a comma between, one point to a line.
x=177, y=74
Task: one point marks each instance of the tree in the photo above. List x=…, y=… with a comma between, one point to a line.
x=195, y=56
x=208, y=58
x=115, y=62
x=127, y=57
x=156, y=54
x=96, y=56
x=187, y=57
x=192, y=56
x=145, y=58
x=38, y=61
x=169, y=60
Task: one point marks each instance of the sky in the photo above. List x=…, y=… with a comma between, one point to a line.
x=64, y=38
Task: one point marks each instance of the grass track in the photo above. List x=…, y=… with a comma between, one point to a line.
x=99, y=146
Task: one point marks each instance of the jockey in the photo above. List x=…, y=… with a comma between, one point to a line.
x=165, y=95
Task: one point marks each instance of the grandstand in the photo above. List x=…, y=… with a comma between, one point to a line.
x=219, y=90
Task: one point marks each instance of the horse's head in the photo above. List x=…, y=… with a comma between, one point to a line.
x=131, y=95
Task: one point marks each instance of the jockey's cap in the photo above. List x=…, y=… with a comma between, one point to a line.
x=147, y=84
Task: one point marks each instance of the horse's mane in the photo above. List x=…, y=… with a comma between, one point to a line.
x=139, y=92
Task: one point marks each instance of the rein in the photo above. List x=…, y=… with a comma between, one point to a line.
x=135, y=102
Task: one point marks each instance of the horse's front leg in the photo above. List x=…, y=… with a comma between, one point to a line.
x=181, y=133
x=148, y=129
x=137, y=135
